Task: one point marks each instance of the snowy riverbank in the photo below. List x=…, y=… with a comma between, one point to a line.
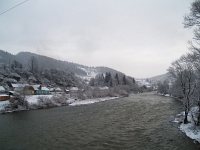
x=91, y=101
x=41, y=101
x=190, y=129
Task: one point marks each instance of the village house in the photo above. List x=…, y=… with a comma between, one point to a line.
x=3, y=95
x=28, y=90
x=56, y=90
x=42, y=90
x=73, y=91
x=17, y=87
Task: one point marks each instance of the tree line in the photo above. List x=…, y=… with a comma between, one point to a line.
x=111, y=80
x=185, y=72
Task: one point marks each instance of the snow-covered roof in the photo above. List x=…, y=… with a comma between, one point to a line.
x=73, y=89
x=51, y=89
x=44, y=88
x=4, y=95
x=104, y=88
x=19, y=85
x=35, y=87
x=58, y=89
x=2, y=89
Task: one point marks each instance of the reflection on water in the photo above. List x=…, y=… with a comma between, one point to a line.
x=139, y=122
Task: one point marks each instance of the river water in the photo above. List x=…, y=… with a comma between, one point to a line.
x=138, y=122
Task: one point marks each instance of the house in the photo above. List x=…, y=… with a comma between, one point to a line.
x=56, y=90
x=73, y=91
x=18, y=87
x=28, y=90
x=42, y=90
x=4, y=97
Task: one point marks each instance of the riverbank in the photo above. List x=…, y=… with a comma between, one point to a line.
x=49, y=101
x=190, y=129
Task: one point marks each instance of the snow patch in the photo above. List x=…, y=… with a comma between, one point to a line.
x=191, y=131
x=3, y=104
x=90, y=101
x=33, y=99
x=91, y=73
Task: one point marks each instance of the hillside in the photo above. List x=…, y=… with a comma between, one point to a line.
x=44, y=62
x=45, y=65
x=160, y=78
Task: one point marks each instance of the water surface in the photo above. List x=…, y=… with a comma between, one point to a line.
x=138, y=122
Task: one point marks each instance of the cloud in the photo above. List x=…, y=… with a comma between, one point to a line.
x=130, y=35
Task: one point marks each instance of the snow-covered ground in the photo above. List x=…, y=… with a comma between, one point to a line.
x=189, y=129
x=3, y=104
x=91, y=73
x=33, y=99
x=91, y=101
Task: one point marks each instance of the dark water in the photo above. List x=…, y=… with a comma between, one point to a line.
x=139, y=122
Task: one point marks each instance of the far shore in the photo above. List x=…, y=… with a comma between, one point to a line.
x=34, y=103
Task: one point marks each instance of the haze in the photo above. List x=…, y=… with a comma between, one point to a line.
x=139, y=38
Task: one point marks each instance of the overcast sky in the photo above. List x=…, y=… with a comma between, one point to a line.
x=138, y=37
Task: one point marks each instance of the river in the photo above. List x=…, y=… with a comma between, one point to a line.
x=137, y=122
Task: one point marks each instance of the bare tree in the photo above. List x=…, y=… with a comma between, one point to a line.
x=184, y=74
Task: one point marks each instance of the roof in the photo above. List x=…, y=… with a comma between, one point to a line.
x=51, y=89
x=19, y=85
x=2, y=88
x=3, y=95
x=73, y=89
x=35, y=87
x=104, y=88
x=58, y=89
x=44, y=88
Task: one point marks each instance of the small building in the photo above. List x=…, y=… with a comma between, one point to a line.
x=73, y=91
x=4, y=97
x=42, y=90
x=58, y=90
x=18, y=87
x=28, y=90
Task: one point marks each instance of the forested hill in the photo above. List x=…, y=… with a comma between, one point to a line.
x=43, y=62
x=63, y=73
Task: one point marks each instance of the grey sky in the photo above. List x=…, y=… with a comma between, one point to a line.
x=138, y=37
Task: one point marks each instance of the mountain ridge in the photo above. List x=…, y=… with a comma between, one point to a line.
x=45, y=62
